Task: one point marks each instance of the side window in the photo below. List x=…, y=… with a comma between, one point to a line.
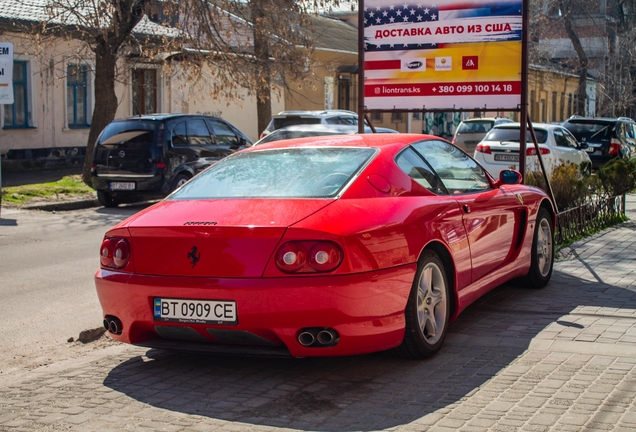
x=573, y=142
x=560, y=139
x=198, y=133
x=631, y=130
x=179, y=135
x=413, y=165
x=224, y=134
x=458, y=172
x=349, y=121
x=333, y=120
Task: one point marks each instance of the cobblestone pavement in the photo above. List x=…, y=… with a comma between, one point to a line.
x=562, y=359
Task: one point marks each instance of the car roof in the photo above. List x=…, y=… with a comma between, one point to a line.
x=345, y=129
x=515, y=125
x=476, y=119
x=315, y=113
x=351, y=140
x=608, y=120
x=159, y=117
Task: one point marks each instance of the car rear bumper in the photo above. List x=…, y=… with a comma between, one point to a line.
x=366, y=310
x=153, y=184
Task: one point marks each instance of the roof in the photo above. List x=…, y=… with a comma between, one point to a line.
x=159, y=117
x=333, y=34
x=37, y=11
x=363, y=140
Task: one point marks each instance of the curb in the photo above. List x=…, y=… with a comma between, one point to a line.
x=64, y=206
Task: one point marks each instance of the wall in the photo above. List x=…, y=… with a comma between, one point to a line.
x=48, y=136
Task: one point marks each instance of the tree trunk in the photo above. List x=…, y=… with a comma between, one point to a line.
x=566, y=9
x=105, y=103
x=261, y=52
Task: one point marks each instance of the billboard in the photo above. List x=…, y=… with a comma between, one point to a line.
x=6, y=73
x=448, y=54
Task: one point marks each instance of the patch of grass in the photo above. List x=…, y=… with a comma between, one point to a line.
x=69, y=185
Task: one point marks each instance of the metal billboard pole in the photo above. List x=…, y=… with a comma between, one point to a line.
x=361, y=66
x=523, y=120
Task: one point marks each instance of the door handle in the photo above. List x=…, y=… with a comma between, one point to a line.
x=465, y=208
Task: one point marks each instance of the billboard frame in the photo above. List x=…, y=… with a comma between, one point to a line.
x=522, y=108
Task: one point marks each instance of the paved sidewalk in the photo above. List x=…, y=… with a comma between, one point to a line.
x=558, y=359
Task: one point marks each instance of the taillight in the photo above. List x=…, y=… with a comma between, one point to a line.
x=615, y=146
x=262, y=134
x=308, y=257
x=106, y=253
x=325, y=256
x=114, y=253
x=454, y=139
x=160, y=165
x=483, y=148
x=531, y=151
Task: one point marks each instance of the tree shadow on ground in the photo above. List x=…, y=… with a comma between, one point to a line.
x=363, y=392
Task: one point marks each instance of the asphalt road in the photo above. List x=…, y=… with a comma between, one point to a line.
x=47, y=262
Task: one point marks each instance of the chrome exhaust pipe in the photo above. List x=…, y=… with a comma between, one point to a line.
x=114, y=325
x=325, y=337
x=106, y=324
x=306, y=339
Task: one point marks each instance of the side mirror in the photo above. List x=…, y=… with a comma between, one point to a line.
x=509, y=177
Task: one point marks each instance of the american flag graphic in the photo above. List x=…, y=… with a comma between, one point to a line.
x=396, y=14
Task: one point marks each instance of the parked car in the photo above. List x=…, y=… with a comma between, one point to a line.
x=606, y=138
x=322, y=247
x=297, y=117
x=471, y=131
x=311, y=130
x=499, y=149
x=149, y=156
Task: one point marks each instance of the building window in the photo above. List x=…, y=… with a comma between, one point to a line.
x=76, y=96
x=16, y=115
x=144, y=91
x=554, y=107
x=397, y=117
x=376, y=116
x=544, y=111
x=417, y=116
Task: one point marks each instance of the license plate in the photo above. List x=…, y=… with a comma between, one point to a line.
x=195, y=311
x=507, y=157
x=590, y=149
x=122, y=186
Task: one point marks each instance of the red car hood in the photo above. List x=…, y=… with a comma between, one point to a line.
x=213, y=238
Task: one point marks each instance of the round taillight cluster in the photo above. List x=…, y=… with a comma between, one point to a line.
x=309, y=257
x=114, y=253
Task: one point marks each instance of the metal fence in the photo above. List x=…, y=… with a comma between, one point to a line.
x=589, y=217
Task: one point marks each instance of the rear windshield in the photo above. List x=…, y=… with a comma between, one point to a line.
x=130, y=133
x=514, y=135
x=589, y=131
x=292, y=121
x=475, y=126
x=279, y=173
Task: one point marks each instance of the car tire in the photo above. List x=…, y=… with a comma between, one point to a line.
x=106, y=199
x=179, y=181
x=427, y=310
x=542, y=252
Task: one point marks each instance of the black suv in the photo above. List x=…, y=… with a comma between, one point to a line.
x=149, y=156
x=607, y=138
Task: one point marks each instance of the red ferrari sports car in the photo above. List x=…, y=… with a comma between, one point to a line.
x=323, y=246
